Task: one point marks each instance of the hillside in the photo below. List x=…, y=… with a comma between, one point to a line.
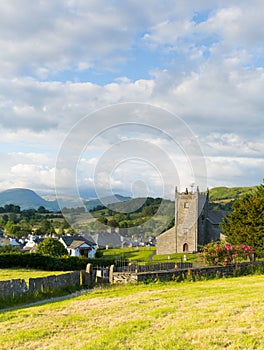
x=136, y=216
x=231, y=193
x=91, y=204
x=26, y=199
x=222, y=198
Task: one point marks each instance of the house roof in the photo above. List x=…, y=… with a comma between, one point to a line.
x=76, y=241
x=79, y=244
x=106, y=239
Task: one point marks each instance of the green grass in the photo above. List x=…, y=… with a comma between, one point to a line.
x=175, y=257
x=8, y=274
x=216, y=314
x=131, y=254
x=143, y=254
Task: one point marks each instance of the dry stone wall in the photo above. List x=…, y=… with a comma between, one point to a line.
x=186, y=273
x=18, y=287
x=12, y=288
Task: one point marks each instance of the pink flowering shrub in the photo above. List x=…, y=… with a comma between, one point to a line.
x=222, y=253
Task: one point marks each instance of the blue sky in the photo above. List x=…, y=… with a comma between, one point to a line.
x=199, y=61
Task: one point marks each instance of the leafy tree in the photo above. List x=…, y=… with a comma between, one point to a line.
x=45, y=227
x=103, y=220
x=9, y=249
x=42, y=210
x=25, y=227
x=10, y=229
x=13, y=217
x=2, y=223
x=11, y=208
x=112, y=223
x=5, y=218
x=245, y=224
x=52, y=247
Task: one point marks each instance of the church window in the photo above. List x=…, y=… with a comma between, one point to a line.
x=185, y=230
x=186, y=205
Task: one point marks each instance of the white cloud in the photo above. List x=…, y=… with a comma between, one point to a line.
x=209, y=72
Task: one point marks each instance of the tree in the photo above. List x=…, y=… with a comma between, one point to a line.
x=46, y=227
x=25, y=227
x=245, y=224
x=10, y=229
x=52, y=247
x=42, y=210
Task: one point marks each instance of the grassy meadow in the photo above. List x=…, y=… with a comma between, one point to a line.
x=215, y=314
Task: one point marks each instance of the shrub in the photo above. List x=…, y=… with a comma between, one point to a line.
x=222, y=253
x=51, y=247
x=49, y=263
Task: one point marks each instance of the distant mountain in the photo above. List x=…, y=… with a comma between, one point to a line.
x=26, y=199
x=117, y=198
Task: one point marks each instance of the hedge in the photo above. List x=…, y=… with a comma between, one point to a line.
x=49, y=263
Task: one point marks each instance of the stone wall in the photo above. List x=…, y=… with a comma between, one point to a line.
x=18, y=287
x=54, y=282
x=187, y=273
x=12, y=288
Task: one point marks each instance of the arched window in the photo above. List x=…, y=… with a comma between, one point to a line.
x=185, y=247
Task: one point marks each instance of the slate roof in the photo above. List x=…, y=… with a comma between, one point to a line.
x=215, y=216
x=75, y=241
x=105, y=239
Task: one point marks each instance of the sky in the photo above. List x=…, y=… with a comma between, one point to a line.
x=130, y=97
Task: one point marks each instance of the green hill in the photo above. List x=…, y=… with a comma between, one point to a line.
x=91, y=204
x=222, y=193
x=223, y=197
x=26, y=199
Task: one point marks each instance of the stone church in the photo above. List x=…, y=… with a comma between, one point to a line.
x=195, y=225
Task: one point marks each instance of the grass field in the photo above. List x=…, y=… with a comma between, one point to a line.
x=8, y=274
x=215, y=314
x=143, y=254
x=132, y=254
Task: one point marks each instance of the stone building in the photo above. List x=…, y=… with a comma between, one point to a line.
x=195, y=224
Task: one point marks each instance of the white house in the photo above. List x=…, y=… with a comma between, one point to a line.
x=78, y=246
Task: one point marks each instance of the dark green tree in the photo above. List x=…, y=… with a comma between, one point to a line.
x=102, y=219
x=245, y=224
x=42, y=210
x=51, y=247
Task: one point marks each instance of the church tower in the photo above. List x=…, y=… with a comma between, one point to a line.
x=189, y=232
x=190, y=213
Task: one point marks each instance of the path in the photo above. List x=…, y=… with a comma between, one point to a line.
x=48, y=300
x=151, y=256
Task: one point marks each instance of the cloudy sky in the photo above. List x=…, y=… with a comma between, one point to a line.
x=64, y=65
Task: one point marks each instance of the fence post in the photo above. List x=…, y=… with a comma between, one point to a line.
x=89, y=271
x=111, y=274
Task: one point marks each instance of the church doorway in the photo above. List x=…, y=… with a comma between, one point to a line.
x=185, y=248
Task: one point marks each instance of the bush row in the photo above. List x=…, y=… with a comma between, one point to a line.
x=49, y=263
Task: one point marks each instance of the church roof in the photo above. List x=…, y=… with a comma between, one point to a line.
x=215, y=216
